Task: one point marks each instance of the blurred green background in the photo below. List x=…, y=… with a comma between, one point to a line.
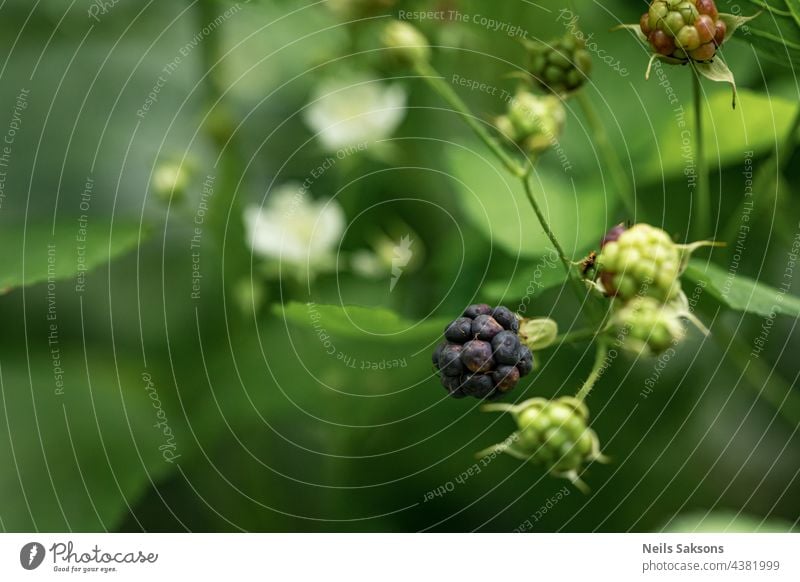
x=268, y=430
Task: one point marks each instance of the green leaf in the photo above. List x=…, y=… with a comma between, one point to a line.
x=528, y=281
x=76, y=460
x=776, y=33
x=725, y=522
x=37, y=253
x=495, y=202
x=366, y=323
x=742, y=293
x=757, y=124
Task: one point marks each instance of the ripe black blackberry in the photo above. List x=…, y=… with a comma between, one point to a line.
x=482, y=355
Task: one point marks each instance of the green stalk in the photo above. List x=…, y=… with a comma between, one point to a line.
x=619, y=177
x=594, y=375
x=224, y=216
x=438, y=84
x=573, y=337
x=703, y=214
x=526, y=182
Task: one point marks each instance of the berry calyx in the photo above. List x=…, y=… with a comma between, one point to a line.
x=642, y=261
x=482, y=355
x=561, y=66
x=684, y=30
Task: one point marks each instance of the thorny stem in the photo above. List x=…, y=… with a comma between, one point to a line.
x=619, y=176
x=546, y=226
x=438, y=84
x=594, y=375
x=703, y=215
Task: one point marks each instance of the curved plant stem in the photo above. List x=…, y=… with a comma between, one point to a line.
x=619, y=176
x=546, y=226
x=599, y=362
x=438, y=84
x=575, y=336
x=702, y=218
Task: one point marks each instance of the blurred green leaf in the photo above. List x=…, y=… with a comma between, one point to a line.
x=757, y=124
x=496, y=204
x=742, y=293
x=76, y=460
x=528, y=281
x=725, y=522
x=359, y=322
x=776, y=33
x=29, y=256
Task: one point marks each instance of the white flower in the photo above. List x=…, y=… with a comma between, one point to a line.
x=295, y=230
x=357, y=110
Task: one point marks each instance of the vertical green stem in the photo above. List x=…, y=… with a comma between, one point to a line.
x=619, y=176
x=224, y=216
x=702, y=216
x=594, y=375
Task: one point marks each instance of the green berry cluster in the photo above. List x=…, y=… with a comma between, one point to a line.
x=533, y=122
x=684, y=29
x=640, y=261
x=551, y=433
x=647, y=326
x=562, y=66
x=555, y=434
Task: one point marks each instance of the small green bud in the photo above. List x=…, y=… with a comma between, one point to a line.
x=538, y=333
x=407, y=44
x=171, y=181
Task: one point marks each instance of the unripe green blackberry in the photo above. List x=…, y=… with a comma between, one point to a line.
x=647, y=326
x=482, y=355
x=551, y=433
x=642, y=261
x=562, y=66
x=684, y=29
x=533, y=122
x=406, y=44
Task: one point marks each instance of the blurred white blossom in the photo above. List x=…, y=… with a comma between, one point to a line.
x=350, y=111
x=291, y=228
